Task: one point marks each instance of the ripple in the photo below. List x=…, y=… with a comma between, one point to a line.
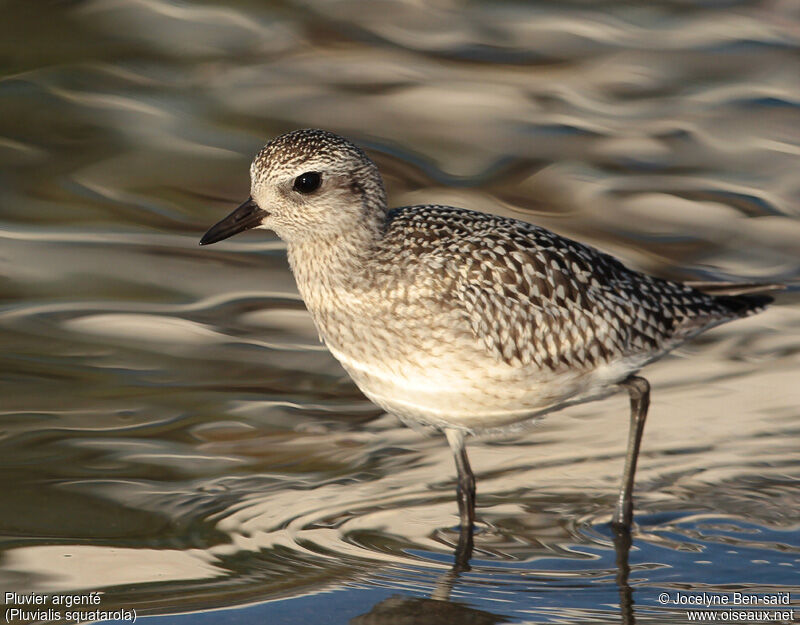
x=193, y=30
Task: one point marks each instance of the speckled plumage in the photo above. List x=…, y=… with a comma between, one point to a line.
x=453, y=318
x=459, y=320
x=536, y=298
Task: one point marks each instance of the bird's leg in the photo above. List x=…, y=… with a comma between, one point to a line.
x=622, y=548
x=466, y=480
x=639, y=391
x=463, y=551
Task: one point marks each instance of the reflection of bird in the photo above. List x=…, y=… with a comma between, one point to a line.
x=400, y=610
x=460, y=320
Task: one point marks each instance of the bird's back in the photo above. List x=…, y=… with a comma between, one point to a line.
x=534, y=298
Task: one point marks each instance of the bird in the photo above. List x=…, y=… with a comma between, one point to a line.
x=461, y=321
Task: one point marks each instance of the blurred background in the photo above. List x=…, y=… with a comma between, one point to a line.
x=172, y=433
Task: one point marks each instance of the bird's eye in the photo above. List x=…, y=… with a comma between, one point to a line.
x=307, y=182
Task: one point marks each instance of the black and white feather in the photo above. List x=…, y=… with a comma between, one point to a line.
x=457, y=319
x=534, y=297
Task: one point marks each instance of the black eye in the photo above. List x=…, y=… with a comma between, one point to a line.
x=307, y=182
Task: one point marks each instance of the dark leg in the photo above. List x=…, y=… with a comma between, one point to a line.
x=463, y=551
x=622, y=548
x=466, y=481
x=639, y=391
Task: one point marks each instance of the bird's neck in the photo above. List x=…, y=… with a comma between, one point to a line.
x=334, y=264
x=332, y=267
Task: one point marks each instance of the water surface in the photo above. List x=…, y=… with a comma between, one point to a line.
x=173, y=435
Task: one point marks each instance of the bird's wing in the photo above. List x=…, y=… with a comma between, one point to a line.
x=534, y=297
x=735, y=288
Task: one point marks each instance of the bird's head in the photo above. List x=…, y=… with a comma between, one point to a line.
x=307, y=184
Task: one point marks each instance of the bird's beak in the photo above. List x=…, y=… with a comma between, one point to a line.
x=247, y=216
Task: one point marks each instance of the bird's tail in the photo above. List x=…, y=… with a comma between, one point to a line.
x=741, y=298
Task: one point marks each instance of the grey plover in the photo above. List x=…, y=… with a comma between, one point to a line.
x=464, y=321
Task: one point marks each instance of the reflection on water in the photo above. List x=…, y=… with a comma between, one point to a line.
x=174, y=435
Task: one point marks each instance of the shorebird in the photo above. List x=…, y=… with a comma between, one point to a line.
x=463, y=321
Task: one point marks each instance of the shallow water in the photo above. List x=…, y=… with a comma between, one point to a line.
x=174, y=436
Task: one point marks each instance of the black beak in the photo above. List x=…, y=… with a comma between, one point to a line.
x=247, y=216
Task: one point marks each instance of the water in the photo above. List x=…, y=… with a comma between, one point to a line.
x=175, y=437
